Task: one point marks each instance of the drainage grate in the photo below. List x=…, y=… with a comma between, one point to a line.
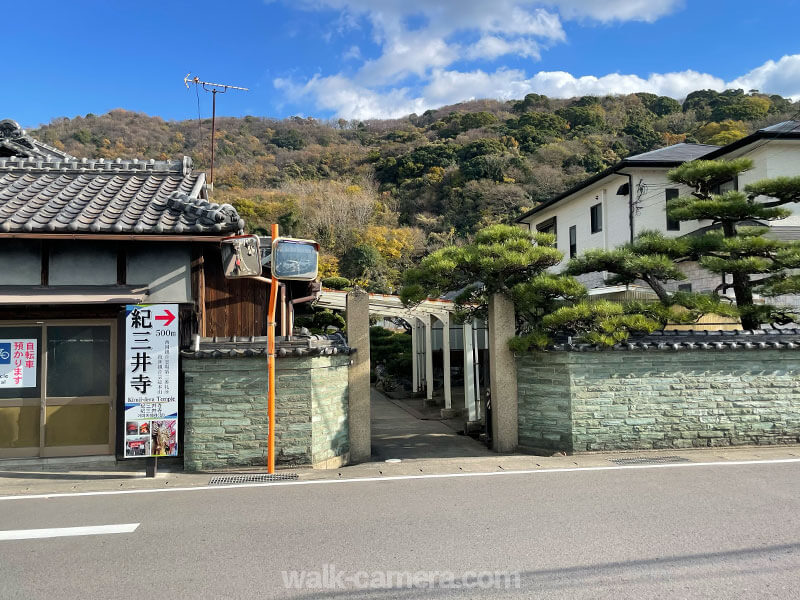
x=649, y=460
x=250, y=478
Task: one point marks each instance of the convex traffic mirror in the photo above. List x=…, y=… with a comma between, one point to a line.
x=294, y=259
x=241, y=256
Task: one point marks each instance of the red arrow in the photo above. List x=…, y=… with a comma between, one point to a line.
x=168, y=317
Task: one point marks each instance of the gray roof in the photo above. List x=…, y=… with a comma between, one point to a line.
x=70, y=195
x=14, y=142
x=785, y=130
x=677, y=152
x=783, y=127
x=242, y=347
x=761, y=339
x=668, y=157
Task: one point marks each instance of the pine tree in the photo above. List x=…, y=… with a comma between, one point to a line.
x=736, y=244
x=512, y=261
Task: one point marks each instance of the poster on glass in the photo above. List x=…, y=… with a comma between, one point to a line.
x=17, y=363
x=151, y=380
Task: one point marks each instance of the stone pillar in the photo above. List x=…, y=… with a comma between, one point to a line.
x=470, y=400
x=358, y=378
x=502, y=374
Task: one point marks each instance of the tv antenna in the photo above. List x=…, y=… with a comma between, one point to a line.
x=214, y=88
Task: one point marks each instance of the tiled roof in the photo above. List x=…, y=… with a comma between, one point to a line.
x=677, y=152
x=764, y=339
x=58, y=195
x=14, y=142
x=240, y=347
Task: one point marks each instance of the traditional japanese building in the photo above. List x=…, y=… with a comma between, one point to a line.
x=79, y=240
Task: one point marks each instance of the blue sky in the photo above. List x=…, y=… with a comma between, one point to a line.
x=381, y=58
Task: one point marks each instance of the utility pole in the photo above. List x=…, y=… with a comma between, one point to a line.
x=214, y=88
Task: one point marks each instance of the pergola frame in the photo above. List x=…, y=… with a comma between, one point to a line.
x=421, y=318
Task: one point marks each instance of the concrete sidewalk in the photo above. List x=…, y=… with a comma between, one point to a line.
x=65, y=480
x=399, y=433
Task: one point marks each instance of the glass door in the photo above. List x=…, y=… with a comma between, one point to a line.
x=79, y=389
x=57, y=388
x=20, y=390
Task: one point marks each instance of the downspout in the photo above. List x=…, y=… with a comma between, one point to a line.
x=630, y=202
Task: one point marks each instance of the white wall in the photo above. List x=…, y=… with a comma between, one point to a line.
x=775, y=158
x=20, y=262
x=576, y=211
x=164, y=268
x=651, y=212
x=651, y=202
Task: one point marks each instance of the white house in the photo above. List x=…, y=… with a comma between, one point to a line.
x=612, y=207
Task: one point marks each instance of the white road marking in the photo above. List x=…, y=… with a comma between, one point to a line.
x=30, y=534
x=389, y=478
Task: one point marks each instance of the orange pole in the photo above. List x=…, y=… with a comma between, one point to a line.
x=273, y=296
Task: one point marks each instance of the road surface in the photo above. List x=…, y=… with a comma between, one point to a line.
x=717, y=531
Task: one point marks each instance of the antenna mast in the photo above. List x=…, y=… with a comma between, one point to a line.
x=214, y=88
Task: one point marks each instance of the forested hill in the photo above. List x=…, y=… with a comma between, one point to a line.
x=378, y=194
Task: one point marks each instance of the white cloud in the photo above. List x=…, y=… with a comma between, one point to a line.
x=346, y=98
x=422, y=57
x=616, y=10
x=781, y=77
x=490, y=47
x=352, y=53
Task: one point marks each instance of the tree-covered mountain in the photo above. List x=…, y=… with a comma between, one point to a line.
x=378, y=194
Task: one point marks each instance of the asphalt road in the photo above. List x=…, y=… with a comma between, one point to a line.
x=688, y=532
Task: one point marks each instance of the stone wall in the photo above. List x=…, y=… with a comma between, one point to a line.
x=226, y=411
x=634, y=399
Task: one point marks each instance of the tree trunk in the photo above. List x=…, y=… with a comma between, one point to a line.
x=742, y=286
x=658, y=288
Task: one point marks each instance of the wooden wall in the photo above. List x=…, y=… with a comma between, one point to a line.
x=226, y=307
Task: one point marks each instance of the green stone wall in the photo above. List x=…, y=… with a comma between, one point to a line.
x=226, y=411
x=657, y=399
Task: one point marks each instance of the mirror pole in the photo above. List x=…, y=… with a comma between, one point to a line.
x=273, y=296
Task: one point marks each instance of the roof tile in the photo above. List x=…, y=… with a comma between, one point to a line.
x=45, y=192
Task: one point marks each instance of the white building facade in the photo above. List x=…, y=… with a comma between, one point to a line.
x=611, y=208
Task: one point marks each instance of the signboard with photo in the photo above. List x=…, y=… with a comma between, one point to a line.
x=18, y=363
x=151, y=380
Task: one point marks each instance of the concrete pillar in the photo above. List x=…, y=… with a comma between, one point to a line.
x=428, y=322
x=476, y=358
x=414, y=355
x=502, y=374
x=358, y=375
x=470, y=400
x=448, y=397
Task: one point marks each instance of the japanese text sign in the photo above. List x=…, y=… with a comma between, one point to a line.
x=18, y=363
x=151, y=380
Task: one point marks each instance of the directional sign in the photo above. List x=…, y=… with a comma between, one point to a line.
x=167, y=317
x=151, y=380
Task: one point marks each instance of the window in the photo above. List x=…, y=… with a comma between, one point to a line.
x=596, y=213
x=684, y=287
x=726, y=186
x=672, y=224
x=548, y=226
x=573, y=242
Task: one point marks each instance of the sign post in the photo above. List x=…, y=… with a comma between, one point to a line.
x=273, y=297
x=151, y=382
x=290, y=259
